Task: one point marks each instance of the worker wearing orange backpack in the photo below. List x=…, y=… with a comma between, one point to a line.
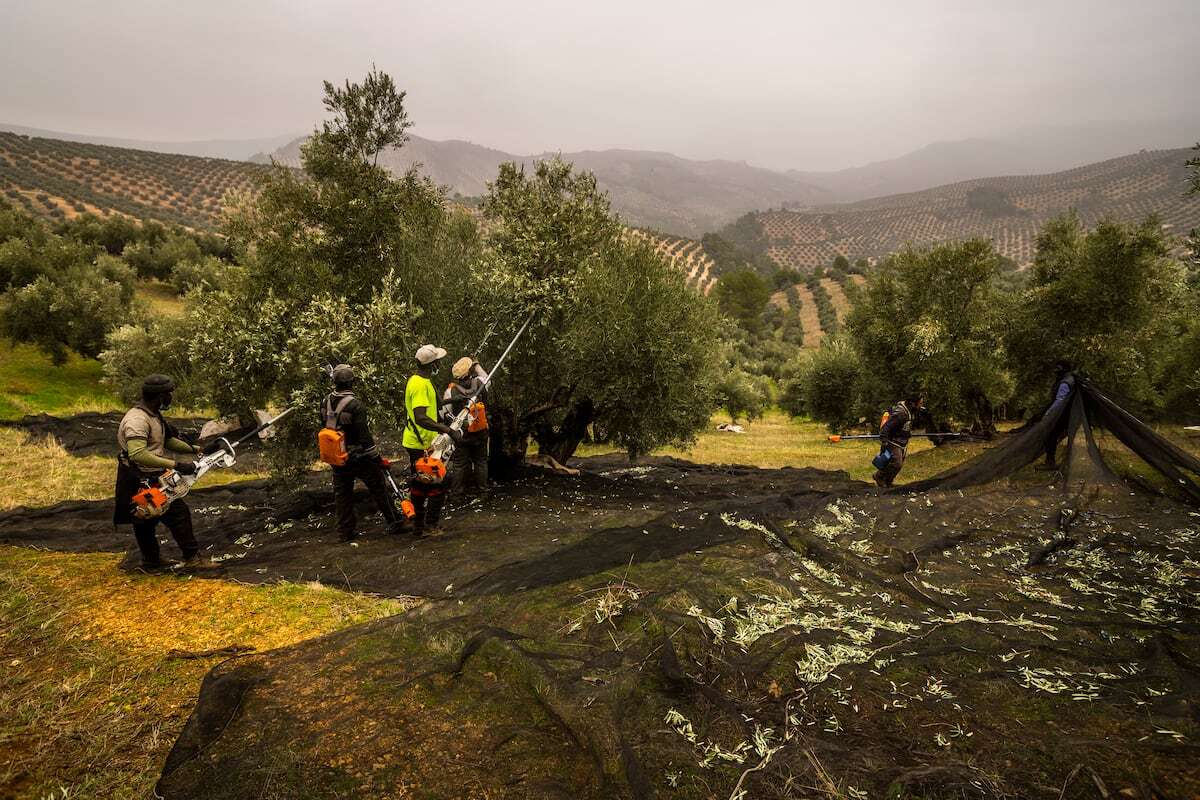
x=471, y=454
x=346, y=444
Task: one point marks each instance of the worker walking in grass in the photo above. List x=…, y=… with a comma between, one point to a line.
x=465, y=392
x=427, y=476
x=1064, y=387
x=347, y=445
x=894, y=435
x=144, y=438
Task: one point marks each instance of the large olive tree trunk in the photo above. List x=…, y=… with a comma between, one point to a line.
x=560, y=442
x=510, y=435
x=506, y=442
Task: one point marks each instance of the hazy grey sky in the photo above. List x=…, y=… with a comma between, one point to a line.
x=781, y=84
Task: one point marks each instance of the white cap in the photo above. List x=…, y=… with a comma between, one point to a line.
x=429, y=354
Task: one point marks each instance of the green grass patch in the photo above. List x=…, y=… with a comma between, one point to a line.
x=161, y=298
x=30, y=384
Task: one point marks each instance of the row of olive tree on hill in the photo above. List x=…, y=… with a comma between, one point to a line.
x=348, y=262
x=948, y=322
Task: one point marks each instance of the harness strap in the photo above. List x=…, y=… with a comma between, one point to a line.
x=333, y=415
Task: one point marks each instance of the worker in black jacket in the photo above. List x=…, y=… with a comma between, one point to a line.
x=349, y=415
x=893, y=438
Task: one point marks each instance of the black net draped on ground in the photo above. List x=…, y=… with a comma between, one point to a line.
x=1087, y=408
x=687, y=632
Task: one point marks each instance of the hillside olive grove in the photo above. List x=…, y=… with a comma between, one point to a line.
x=950, y=321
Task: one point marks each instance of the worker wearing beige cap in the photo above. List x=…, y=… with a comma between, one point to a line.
x=470, y=456
x=420, y=429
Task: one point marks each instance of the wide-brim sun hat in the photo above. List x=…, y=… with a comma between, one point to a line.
x=429, y=353
x=462, y=367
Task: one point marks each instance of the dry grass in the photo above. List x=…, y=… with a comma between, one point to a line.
x=777, y=441
x=90, y=699
x=161, y=298
x=40, y=472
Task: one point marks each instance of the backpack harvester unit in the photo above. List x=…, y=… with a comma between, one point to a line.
x=152, y=500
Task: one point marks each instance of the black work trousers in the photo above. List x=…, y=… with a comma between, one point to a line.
x=178, y=519
x=1055, y=438
x=470, y=455
x=370, y=472
x=427, y=498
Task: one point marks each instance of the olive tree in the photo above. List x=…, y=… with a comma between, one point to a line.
x=339, y=263
x=57, y=293
x=1109, y=300
x=347, y=262
x=70, y=309
x=932, y=320
x=617, y=339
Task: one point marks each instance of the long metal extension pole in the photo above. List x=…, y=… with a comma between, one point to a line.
x=500, y=361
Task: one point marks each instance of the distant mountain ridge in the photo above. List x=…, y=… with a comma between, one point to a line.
x=649, y=189
x=687, y=197
x=61, y=179
x=1030, y=151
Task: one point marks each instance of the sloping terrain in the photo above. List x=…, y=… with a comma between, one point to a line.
x=681, y=196
x=800, y=300
x=687, y=255
x=680, y=631
x=62, y=179
x=1007, y=210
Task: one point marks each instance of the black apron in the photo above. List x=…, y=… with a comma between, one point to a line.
x=130, y=480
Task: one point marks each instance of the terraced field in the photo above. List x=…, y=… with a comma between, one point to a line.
x=61, y=179
x=799, y=300
x=686, y=254
x=1008, y=210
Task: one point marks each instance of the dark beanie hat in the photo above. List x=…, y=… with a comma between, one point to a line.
x=157, y=384
x=343, y=375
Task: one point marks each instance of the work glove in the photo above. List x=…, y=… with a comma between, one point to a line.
x=210, y=448
x=185, y=468
x=456, y=435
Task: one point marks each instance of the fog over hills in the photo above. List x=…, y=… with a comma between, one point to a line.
x=233, y=149
x=656, y=190
x=687, y=197
x=1029, y=151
